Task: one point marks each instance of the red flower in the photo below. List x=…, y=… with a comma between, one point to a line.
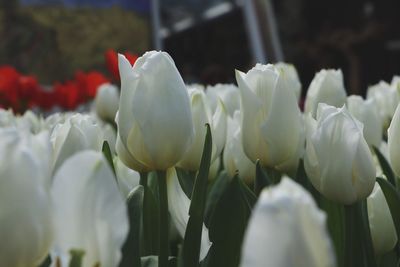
x=9, y=86
x=89, y=83
x=112, y=62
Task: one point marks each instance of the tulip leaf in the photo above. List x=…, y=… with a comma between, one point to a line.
x=192, y=238
x=46, y=262
x=220, y=183
x=393, y=201
x=107, y=154
x=186, y=181
x=227, y=226
x=262, y=180
x=76, y=257
x=302, y=178
x=248, y=195
x=366, y=236
x=386, y=169
x=131, y=248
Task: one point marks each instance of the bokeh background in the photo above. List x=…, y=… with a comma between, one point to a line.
x=208, y=39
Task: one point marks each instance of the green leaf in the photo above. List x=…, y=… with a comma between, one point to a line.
x=107, y=154
x=227, y=226
x=192, y=239
x=262, y=180
x=46, y=262
x=387, y=170
x=76, y=257
x=131, y=248
x=217, y=189
x=302, y=178
x=186, y=180
x=393, y=201
x=248, y=195
x=366, y=236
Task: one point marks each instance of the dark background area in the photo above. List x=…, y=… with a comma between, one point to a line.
x=52, y=39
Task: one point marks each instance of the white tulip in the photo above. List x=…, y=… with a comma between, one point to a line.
x=366, y=112
x=127, y=178
x=178, y=206
x=201, y=114
x=7, y=118
x=234, y=157
x=287, y=229
x=107, y=101
x=154, y=121
x=90, y=214
x=394, y=142
x=293, y=77
x=386, y=99
x=229, y=95
x=79, y=132
x=326, y=87
x=338, y=160
x=272, y=128
x=383, y=232
x=25, y=202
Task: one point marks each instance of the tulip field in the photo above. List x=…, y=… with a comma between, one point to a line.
x=156, y=172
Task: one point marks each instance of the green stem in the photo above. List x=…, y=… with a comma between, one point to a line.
x=143, y=179
x=353, y=246
x=147, y=234
x=163, y=223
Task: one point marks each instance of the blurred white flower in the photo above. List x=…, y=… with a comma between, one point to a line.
x=107, y=101
x=394, y=142
x=383, y=232
x=229, y=95
x=287, y=229
x=90, y=214
x=25, y=203
x=126, y=177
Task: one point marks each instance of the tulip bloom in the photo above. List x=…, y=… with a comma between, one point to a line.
x=107, y=101
x=272, y=128
x=90, y=214
x=394, y=142
x=26, y=228
x=287, y=229
x=293, y=77
x=366, y=112
x=338, y=160
x=383, y=232
x=154, y=122
x=201, y=114
x=326, y=87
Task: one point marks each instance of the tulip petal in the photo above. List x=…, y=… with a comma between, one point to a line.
x=394, y=142
x=252, y=118
x=178, y=205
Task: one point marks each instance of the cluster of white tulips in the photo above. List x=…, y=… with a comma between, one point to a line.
x=167, y=174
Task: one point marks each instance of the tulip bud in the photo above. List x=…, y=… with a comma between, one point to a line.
x=366, y=112
x=293, y=77
x=394, y=142
x=154, y=123
x=338, y=160
x=79, y=132
x=29, y=122
x=6, y=118
x=107, y=101
x=287, y=229
x=234, y=157
x=201, y=114
x=26, y=228
x=326, y=87
x=90, y=214
x=386, y=99
x=383, y=232
x=229, y=95
x=272, y=127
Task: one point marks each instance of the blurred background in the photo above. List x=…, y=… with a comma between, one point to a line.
x=208, y=39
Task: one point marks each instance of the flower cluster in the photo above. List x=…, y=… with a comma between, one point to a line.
x=161, y=173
